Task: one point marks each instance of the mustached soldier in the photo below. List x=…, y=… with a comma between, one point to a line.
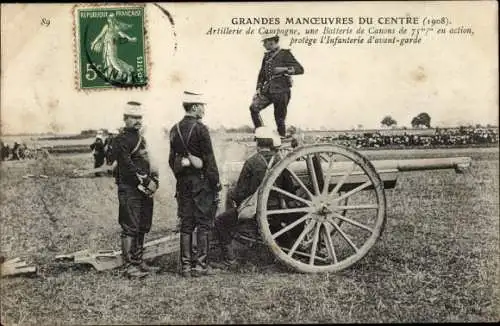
x=274, y=82
x=193, y=163
x=134, y=171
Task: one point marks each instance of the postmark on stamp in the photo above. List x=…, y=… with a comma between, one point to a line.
x=111, y=47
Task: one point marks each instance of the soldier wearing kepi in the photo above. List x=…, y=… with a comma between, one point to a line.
x=193, y=163
x=137, y=181
x=249, y=180
x=274, y=82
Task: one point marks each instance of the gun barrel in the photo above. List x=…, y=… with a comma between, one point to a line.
x=457, y=163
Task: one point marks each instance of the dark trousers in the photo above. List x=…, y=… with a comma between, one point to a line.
x=280, y=102
x=98, y=160
x=195, y=203
x=227, y=226
x=195, y=207
x=135, y=211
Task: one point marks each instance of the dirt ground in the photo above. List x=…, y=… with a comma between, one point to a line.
x=436, y=262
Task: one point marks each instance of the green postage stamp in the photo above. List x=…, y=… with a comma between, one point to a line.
x=111, y=47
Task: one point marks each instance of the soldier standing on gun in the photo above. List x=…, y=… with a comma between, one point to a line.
x=193, y=163
x=135, y=206
x=274, y=82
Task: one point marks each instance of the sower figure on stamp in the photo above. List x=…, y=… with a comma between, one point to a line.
x=242, y=199
x=137, y=181
x=274, y=82
x=193, y=163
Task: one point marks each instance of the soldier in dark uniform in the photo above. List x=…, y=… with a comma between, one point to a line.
x=135, y=207
x=99, y=153
x=16, y=149
x=193, y=163
x=274, y=82
x=251, y=176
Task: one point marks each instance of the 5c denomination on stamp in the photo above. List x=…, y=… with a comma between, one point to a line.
x=111, y=47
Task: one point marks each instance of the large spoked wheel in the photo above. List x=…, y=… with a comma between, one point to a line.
x=321, y=208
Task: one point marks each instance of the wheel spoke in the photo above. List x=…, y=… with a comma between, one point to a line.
x=343, y=178
x=342, y=233
x=297, y=179
x=300, y=253
x=290, y=210
x=291, y=226
x=289, y=194
x=328, y=175
x=366, y=206
x=329, y=243
x=355, y=190
x=348, y=220
x=312, y=174
x=306, y=230
x=315, y=243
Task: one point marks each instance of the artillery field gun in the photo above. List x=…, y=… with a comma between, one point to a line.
x=325, y=218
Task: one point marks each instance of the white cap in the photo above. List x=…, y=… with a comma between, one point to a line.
x=267, y=133
x=133, y=109
x=192, y=97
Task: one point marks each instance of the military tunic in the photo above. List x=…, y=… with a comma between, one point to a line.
x=251, y=176
x=135, y=208
x=196, y=189
x=275, y=88
x=99, y=154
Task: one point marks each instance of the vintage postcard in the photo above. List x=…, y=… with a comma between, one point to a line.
x=235, y=163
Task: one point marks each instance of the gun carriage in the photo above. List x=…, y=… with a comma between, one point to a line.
x=320, y=208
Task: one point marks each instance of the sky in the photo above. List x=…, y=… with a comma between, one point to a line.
x=454, y=79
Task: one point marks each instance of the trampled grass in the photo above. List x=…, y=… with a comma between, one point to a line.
x=437, y=260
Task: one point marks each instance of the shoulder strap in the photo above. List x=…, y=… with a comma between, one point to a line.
x=184, y=143
x=275, y=54
x=136, y=148
x=268, y=164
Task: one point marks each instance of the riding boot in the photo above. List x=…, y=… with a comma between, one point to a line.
x=194, y=248
x=228, y=257
x=256, y=118
x=131, y=268
x=186, y=247
x=140, y=253
x=202, y=249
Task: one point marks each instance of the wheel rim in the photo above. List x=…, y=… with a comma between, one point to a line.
x=324, y=232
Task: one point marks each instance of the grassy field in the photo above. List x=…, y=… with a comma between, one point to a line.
x=436, y=262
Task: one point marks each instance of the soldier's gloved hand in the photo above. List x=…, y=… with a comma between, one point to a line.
x=144, y=178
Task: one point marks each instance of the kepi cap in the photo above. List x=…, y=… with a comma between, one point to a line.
x=267, y=36
x=192, y=97
x=133, y=109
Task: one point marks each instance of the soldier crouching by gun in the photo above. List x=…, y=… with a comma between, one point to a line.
x=137, y=183
x=241, y=217
x=193, y=163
